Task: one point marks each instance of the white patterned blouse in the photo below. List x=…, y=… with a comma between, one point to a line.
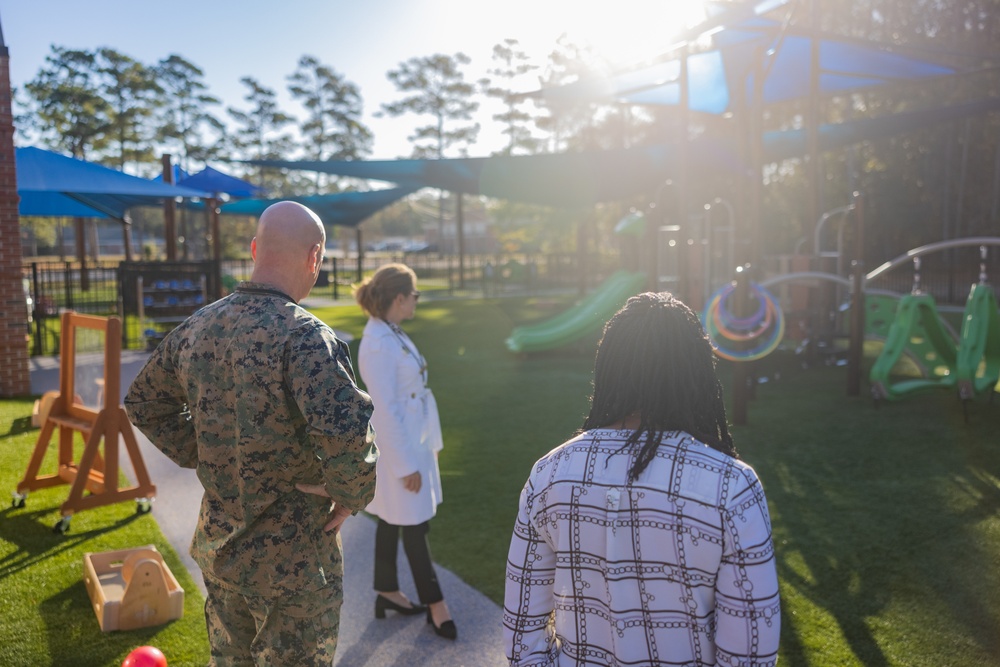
x=676, y=568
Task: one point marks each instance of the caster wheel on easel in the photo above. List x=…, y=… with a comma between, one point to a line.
x=62, y=526
x=18, y=500
x=143, y=506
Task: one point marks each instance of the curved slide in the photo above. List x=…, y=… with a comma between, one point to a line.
x=589, y=315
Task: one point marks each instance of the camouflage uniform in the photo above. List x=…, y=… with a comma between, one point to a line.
x=257, y=394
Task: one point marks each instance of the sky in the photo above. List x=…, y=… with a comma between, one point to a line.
x=360, y=39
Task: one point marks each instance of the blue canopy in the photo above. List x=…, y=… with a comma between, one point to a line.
x=50, y=184
x=217, y=182
x=792, y=143
x=657, y=84
x=346, y=209
x=179, y=175
x=585, y=178
x=54, y=205
x=563, y=179
x=844, y=65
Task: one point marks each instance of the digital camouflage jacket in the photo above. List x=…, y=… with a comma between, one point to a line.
x=257, y=394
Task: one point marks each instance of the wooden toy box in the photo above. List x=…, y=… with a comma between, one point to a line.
x=132, y=588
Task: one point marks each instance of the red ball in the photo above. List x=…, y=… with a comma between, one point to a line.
x=145, y=656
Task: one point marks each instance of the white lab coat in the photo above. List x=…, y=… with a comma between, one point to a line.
x=407, y=426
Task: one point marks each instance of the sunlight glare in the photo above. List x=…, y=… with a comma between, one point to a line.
x=624, y=31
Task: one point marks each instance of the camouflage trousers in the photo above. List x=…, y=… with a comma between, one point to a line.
x=282, y=630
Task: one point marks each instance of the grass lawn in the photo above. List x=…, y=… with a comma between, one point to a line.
x=47, y=616
x=886, y=521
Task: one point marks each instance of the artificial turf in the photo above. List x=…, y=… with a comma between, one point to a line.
x=47, y=613
x=886, y=520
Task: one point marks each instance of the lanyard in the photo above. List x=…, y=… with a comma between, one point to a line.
x=410, y=349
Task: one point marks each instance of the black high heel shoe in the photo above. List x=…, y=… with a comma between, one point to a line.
x=382, y=603
x=446, y=629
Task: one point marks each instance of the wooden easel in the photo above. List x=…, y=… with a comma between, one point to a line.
x=95, y=473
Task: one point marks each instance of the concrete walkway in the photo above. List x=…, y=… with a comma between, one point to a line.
x=364, y=642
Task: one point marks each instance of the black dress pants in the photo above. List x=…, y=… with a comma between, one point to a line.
x=418, y=553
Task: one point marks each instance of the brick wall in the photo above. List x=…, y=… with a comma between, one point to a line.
x=14, y=377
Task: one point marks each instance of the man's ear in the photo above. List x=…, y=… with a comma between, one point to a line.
x=315, y=257
x=253, y=249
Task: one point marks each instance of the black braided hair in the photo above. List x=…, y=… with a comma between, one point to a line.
x=655, y=361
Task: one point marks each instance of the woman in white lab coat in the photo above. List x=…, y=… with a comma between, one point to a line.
x=408, y=434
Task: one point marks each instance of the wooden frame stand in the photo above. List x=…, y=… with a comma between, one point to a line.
x=94, y=473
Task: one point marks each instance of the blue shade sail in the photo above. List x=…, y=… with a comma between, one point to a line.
x=179, y=175
x=347, y=209
x=843, y=67
x=55, y=185
x=217, y=182
x=720, y=77
x=562, y=179
x=54, y=205
x=587, y=178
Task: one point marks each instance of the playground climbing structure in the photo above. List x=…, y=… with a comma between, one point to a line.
x=971, y=364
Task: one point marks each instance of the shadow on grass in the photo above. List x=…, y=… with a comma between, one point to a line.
x=71, y=629
x=19, y=426
x=74, y=634
x=36, y=541
x=879, y=524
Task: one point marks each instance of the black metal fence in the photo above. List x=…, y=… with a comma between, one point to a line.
x=501, y=274
x=110, y=288
x=58, y=286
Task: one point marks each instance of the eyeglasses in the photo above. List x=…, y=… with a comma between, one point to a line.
x=416, y=295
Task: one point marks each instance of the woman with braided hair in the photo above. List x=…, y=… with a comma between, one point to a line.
x=644, y=540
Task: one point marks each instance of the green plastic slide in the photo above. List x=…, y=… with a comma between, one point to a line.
x=588, y=315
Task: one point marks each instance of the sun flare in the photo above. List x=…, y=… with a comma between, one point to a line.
x=625, y=31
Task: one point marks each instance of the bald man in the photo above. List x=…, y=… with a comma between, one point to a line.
x=259, y=396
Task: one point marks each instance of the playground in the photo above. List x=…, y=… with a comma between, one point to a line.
x=885, y=510
x=860, y=368
x=885, y=520
x=923, y=342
